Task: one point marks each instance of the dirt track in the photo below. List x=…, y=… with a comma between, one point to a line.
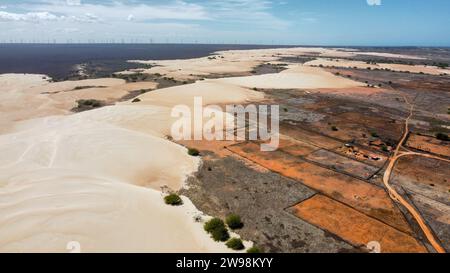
x=397, y=197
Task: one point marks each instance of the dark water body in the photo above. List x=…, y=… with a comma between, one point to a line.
x=59, y=60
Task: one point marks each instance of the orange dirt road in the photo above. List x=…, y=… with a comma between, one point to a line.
x=397, y=197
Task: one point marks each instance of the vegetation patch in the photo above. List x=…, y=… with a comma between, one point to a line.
x=234, y=221
x=442, y=136
x=88, y=87
x=235, y=244
x=254, y=250
x=193, y=152
x=173, y=200
x=216, y=227
x=442, y=65
x=85, y=105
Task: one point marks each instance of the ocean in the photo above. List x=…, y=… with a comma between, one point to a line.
x=59, y=61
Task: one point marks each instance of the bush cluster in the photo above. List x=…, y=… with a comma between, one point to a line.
x=234, y=221
x=89, y=103
x=173, y=200
x=442, y=136
x=216, y=227
x=235, y=244
x=254, y=250
x=193, y=152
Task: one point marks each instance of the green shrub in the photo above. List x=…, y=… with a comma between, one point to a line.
x=85, y=102
x=213, y=224
x=220, y=235
x=234, y=221
x=235, y=244
x=254, y=250
x=193, y=152
x=442, y=136
x=374, y=134
x=334, y=128
x=136, y=100
x=173, y=200
x=89, y=103
x=216, y=227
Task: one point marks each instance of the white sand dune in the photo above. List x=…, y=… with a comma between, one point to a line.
x=24, y=96
x=390, y=55
x=244, y=61
x=94, y=177
x=75, y=178
x=189, y=69
x=432, y=70
x=50, y=209
x=296, y=77
x=212, y=92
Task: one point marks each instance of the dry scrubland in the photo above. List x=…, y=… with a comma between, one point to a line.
x=91, y=160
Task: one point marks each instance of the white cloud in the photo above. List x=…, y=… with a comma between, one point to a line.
x=250, y=12
x=87, y=18
x=73, y=2
x=29, y=16
x=118, y=11
x=44, y=16
x=169, y=19
x=374, y=2
x=253, y=12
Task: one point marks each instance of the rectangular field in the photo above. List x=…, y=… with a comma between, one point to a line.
x=355, y=227
x=342, y=164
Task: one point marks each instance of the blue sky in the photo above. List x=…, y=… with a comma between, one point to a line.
x=306, y=22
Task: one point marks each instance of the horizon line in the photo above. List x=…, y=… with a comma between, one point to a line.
x=225, y=44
